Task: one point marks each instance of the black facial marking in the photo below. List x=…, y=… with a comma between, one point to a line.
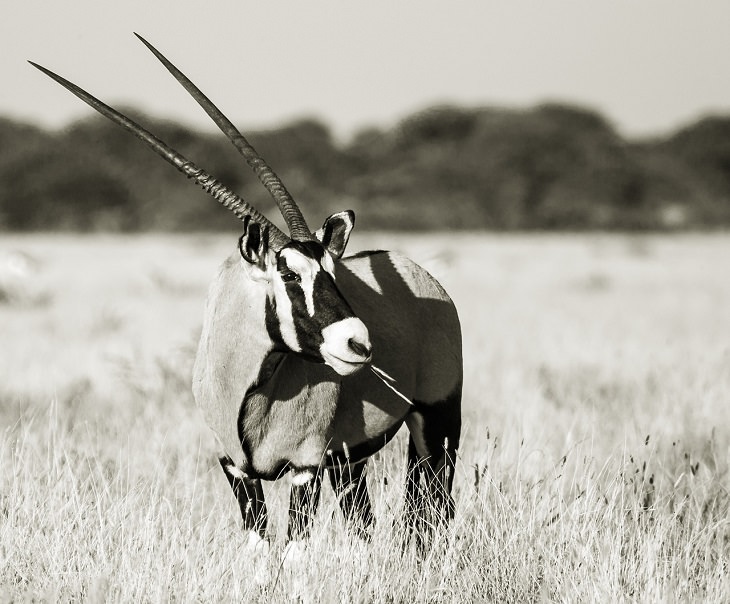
x=287, y=275
x=313, y=249
x=281, y=264
x=329, y=305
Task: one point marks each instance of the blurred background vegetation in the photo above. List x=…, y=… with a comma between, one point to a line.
x=551, y=167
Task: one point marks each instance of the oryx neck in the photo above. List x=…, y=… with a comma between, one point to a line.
x=234, y=343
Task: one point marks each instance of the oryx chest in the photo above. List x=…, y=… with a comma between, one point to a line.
x=286, y=420
x=304, y=413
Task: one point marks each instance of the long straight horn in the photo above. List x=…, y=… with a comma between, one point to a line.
x=288, y=207
x=218, y=191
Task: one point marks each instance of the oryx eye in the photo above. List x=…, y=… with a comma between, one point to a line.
x=289, y=276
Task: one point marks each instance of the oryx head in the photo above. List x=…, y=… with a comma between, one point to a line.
x=305, y=312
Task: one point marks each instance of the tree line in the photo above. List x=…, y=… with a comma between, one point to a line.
x=549, y=167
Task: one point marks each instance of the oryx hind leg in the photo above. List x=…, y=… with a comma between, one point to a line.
x=349, y=483
x=250, y=496
x=434, y=439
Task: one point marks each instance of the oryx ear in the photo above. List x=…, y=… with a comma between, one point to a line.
x=335, y=232
x=254, y=244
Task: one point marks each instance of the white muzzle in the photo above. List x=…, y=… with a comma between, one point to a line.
x=346, y=347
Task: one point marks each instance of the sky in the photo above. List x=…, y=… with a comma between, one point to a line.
x=649, y=66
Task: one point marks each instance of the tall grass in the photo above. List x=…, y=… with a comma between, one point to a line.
x=594, y=457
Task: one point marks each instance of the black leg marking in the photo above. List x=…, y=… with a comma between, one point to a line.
x=349, y=484
x=432, y=446
x=250, y=496
x=303, y=502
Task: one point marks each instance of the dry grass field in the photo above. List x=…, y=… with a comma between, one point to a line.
x=594, y=458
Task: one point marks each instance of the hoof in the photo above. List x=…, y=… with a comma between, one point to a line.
x=256, y=550
x=293, y=555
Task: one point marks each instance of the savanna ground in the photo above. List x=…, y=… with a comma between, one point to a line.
x=594, y=457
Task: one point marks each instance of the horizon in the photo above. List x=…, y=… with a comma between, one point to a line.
x=647, y=69
x=344, y=139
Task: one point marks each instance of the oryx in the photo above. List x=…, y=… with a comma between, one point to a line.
x=311, y=360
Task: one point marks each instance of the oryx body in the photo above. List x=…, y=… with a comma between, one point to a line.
x=310, y=360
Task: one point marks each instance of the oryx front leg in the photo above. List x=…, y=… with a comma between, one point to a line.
x=303, y=502
x=349, y=483
x=250, y=496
